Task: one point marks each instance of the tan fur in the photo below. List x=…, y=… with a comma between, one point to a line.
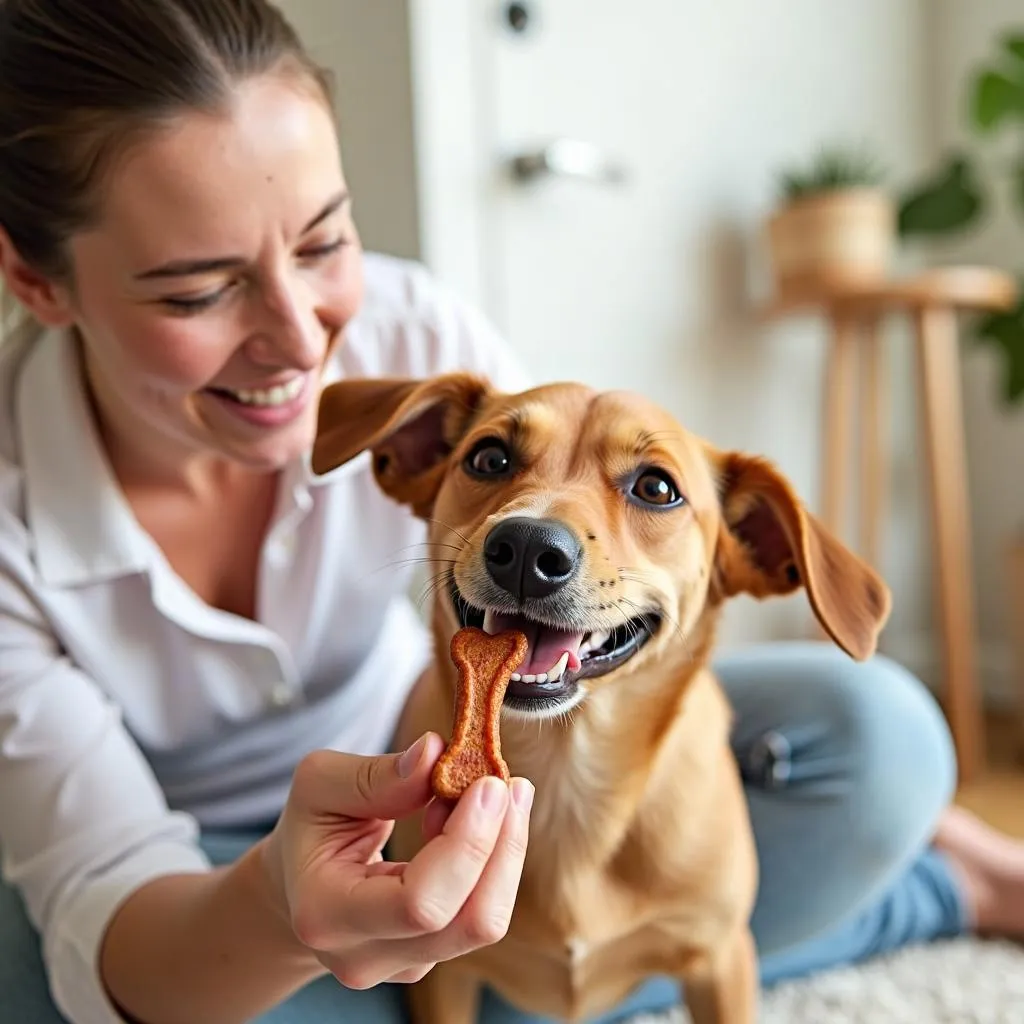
x=641, y=859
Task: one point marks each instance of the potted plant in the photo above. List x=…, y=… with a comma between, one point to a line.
x=835, y=222
x=956, y=199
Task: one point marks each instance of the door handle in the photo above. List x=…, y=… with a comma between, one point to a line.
x=567, y=158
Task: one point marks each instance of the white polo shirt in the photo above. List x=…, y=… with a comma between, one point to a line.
x=131, y=712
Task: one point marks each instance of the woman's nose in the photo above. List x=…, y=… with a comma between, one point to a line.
x=288, y=331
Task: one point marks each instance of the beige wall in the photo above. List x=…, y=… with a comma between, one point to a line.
x=365, y=43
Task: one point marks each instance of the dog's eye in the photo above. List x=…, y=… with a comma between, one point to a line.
x=654, y=487
x=489, y=457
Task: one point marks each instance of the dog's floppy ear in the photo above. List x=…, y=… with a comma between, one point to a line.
x=770, y=544
x=410, y=426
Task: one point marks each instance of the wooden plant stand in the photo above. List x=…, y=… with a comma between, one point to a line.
x=855, y=311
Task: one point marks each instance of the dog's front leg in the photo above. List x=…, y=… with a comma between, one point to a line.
x=723, y=988
x=446, y=995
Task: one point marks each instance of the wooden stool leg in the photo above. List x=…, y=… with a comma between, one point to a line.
x=874, y=407
x=840, y=377
x=1017, y=632
x=942, y=422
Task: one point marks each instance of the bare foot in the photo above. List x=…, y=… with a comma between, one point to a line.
x=991, y=866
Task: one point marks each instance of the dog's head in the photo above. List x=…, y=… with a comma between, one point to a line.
x=592, y=522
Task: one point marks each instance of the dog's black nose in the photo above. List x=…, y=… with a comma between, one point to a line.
x=531, y=557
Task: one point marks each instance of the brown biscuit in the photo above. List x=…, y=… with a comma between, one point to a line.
x=485, y=664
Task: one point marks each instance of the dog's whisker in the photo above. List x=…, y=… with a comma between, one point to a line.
x=422, y=560
x=402, y=564
x=437, y=580
x=628, y=572
x=428, y=544
x=435, y=583
x=449, y=527
x=405, y=563
x=670, y=619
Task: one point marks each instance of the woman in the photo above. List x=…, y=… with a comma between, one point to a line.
x=201, y=659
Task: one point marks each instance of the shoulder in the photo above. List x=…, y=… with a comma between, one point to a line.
x=413, y=325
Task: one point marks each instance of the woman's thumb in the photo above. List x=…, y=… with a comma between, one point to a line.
x=388, y=786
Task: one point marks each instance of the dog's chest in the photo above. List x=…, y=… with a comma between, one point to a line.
x=604, y=906
x=581, y=957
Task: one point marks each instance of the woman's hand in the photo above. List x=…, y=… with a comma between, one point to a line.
x=370, y=921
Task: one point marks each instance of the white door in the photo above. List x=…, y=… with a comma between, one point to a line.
x=647, y=283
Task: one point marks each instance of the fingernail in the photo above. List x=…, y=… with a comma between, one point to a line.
x=522, y=794
x=408, y=762
x=492, y=796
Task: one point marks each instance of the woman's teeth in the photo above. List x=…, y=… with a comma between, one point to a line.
x=279, y=395
x=552, y=675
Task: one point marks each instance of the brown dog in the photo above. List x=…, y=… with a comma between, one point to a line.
x=599, y=527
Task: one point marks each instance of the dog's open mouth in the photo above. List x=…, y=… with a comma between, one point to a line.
x=558, y=658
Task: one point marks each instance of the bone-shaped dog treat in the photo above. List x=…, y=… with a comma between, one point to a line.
x=484, y=663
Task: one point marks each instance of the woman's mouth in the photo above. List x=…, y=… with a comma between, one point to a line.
x=274, y=406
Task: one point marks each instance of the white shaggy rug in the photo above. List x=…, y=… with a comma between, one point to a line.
x=965, y=981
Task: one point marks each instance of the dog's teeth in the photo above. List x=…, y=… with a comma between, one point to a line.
x=542, y=677
x=556, y=670
x=597, y=640
x=516, y=677
x=489, y=622
x=529, y=679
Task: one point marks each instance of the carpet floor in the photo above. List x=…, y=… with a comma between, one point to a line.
x=965, y=981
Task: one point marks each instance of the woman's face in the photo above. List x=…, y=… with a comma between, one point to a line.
x=222, y=269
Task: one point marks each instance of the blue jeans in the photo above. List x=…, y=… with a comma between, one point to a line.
x=847, y=767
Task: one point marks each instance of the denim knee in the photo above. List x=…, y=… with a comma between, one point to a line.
x=898, y=765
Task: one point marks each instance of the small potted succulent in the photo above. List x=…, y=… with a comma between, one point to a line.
x=834, y=222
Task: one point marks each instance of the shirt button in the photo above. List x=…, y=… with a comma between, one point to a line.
x=282, y=550
x=282, y=696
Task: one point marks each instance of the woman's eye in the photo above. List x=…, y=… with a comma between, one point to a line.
x=653, y=487
x=194, y=303
x=489, y=458
x=320, y=251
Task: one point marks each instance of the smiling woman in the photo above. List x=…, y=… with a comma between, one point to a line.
x=207, y=648
x=176, y=219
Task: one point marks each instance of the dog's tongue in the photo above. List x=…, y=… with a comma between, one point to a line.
x=546, y=645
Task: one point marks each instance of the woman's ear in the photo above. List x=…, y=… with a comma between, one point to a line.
x=411, y=426
x=48, y=302
x=770, y=544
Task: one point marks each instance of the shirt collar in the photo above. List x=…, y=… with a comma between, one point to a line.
x=83, y=528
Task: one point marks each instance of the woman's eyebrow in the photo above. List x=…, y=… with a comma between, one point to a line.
x=190, y=268
x=332, y=206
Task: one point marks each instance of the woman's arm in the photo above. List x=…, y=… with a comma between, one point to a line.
x=220, y=949
x=133, y=920
x=204, y=948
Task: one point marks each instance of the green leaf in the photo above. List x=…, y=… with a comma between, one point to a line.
x=996, y=97
x=1018, y=184
x=1013, y=389
x=1013, y=44
x=1006, y=332
x=951, y=200
x=833, y=167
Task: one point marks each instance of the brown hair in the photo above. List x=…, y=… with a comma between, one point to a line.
x=79, y=79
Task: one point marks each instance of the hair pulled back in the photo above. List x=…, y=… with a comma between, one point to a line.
x=81, y=79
